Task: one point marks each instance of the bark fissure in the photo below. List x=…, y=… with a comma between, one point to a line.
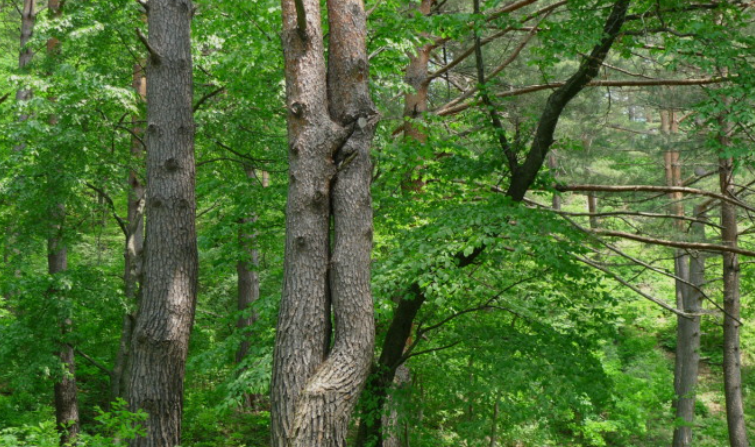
x=166, y=310
x=331, y=124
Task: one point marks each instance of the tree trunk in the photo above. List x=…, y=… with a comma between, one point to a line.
x=688, y=342
x=166, y=311
x=732, y=362
x=592, y=208
x=395, y=428
x=28, y=19
x=331, y=123
x=248, y=285
x=134, y=249
x=66, y=404
x=553, y=167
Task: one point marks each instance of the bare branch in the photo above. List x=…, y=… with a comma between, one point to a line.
x=676, y=244
x=447, y=110
x=206, y=97
x=620, y=280
x=107, y=198
x=651, y=188
x=94, y=362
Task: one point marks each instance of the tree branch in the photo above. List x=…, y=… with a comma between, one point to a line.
x=676, y=244
x=558, y=100
x=651, y=188
x=107, y=198
x=154, y=55
x=94, y=362
x=620, y=280
x=206, y=97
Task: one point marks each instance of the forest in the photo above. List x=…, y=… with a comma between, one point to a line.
x=377, y=223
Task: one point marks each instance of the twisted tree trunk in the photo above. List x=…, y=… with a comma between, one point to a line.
x=331, y=123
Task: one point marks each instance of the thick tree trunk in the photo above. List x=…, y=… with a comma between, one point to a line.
x=688, y=342
x=166, y=311
x=330, y=171
x=134, y=249
x=732, y=358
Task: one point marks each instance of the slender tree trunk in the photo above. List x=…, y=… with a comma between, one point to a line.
x=166, y=311
x=688, y=343
x=248, y=285
x=134, y=247
x=66, y=404
x=732, y=357
x=395, y=428
x=28, y=19
x=494, y=423
x=331, y=124
x=592, y=208
x=553, y=166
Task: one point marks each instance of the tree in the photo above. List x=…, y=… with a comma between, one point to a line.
x=166, y=311
x=331, y=123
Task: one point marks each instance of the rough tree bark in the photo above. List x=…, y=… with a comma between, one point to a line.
x=166, y=311
x=688, y=341
x=134, y=247
x=331, y=123
x=66, y=400
x=732, y=359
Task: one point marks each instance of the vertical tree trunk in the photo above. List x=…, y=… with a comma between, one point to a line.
x=592, y=208
x=331, y=124
x=732, y=361
x=134, y=247
x=66, y=403
x=395, y=428
x=248, y=284
x=28, y=19
x=553, y=166
x=166, y=311
x=688, y=343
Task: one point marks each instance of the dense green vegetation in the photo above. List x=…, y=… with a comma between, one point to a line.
x=534, y=327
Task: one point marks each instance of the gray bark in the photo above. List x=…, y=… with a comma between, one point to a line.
x=732, y=358
x=395, y=428
x=133, y=251
x=166, y=311
x=248, y=285
x=331, y=124
x=66, y=401
x=688, y=342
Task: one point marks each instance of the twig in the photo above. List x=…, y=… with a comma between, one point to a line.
x=620, y=280
x=206, y=97
x=107, y=198
x=94, y=362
